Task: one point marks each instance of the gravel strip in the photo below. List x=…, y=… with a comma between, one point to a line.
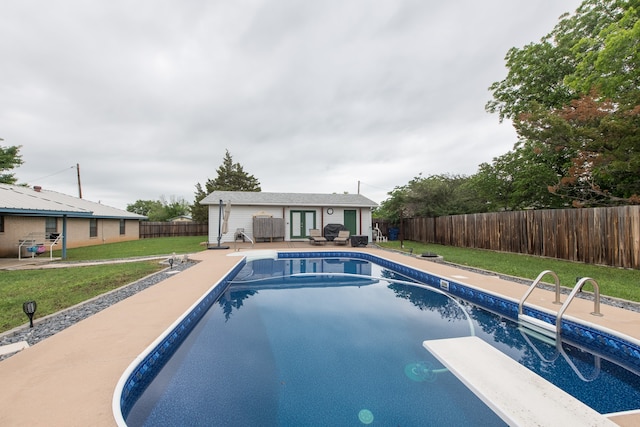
x=50, y=325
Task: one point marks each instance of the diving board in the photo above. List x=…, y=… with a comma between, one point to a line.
x=517, y=395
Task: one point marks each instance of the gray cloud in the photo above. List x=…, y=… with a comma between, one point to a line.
x=307, y=96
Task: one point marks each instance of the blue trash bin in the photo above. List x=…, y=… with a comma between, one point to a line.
x=393, y=233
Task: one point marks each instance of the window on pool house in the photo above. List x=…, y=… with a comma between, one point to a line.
x=122, y=227
x=93, y=227
x=50, y=226
x=1, y=223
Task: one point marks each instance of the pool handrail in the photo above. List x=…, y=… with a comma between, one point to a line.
x=533, y=286
x=577, y=288
x=547, y=328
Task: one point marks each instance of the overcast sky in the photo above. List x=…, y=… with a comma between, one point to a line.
x=308, y=96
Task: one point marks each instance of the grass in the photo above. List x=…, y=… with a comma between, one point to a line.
x=60, y=288
x=613, y=282
x=136, y=248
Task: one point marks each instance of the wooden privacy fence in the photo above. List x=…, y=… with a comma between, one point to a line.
x=172, y=229
x=607, y=236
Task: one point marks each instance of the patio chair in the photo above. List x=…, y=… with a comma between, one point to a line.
x=316, y=238
x=343, y=237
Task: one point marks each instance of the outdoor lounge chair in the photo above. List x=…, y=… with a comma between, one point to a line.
x=316, y=238
x=343, y=237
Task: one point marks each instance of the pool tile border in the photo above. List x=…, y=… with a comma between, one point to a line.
x=150, y=365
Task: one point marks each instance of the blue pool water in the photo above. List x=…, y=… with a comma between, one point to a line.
x=339, y=342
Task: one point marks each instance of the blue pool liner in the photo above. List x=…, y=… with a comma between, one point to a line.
x=605, y=344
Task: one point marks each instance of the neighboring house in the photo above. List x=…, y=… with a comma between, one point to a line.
x=293, y=214
x=52, y=217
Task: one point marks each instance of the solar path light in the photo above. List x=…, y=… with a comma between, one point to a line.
x=29, y=309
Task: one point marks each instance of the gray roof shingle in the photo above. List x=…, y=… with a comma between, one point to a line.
x=288, y=199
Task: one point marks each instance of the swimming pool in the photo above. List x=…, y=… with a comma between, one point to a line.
x=266, y=354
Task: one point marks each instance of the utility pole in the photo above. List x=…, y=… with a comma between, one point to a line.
x=79, y=185
x=358, y=186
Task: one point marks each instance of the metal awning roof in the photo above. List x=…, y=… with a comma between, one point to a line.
x=26, y=201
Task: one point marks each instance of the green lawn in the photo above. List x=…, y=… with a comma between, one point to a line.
x=614, y=282
x=136, y=248
x=59, y=288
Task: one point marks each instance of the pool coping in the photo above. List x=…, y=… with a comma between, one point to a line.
x=69, y=378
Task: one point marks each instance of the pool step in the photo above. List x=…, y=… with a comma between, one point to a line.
x=517, y=395
x=537, y=326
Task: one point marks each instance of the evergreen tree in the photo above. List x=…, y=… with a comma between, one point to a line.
x=231, y=177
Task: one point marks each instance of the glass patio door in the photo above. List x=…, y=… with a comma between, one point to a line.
x=301, y=222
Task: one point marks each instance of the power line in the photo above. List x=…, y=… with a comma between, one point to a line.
x=55, y=173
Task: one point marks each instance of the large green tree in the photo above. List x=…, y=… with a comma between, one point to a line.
x=9, y=159
x=601, y=148
x=574, y=98
x=561, y=66
x=230, y=177
x=609, y=59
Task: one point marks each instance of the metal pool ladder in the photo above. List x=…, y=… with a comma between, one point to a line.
x=549, y=333
x=548, y=329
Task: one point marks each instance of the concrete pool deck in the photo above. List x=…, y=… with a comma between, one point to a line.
x=69, y=378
